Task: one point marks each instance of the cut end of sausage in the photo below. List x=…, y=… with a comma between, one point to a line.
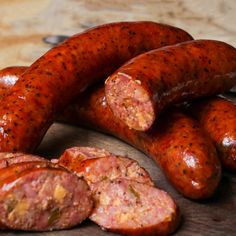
x=131, y=208
x=130, y=102
x=44, y=199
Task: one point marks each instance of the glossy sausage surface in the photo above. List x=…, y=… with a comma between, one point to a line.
x=176, y=142
x=218, y=117
x=66, y=70
x=144, y=86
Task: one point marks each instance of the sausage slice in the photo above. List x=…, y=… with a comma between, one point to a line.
x=42, y=199
x=96, y=164
x=131, y=208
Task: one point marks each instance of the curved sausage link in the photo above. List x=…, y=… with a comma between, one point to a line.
x=66, y=70
x=176, y=142
x=139, y=90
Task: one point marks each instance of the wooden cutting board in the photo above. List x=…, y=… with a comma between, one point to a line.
x=216, y=216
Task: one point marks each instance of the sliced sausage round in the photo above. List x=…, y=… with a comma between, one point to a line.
x=131, y=208
x=96, y=165
x=42, y=199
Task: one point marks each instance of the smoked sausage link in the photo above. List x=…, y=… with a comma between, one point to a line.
x=139, y=90
x=176, y=142
x=66, y=70
x=218, y=117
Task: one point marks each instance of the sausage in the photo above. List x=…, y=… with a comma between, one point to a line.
x=176, y=142
x=66, y=70
x=95, y=165
x=42, y=199
x=218, y=117
x=130, y=208
x=139, y=90
x=7, y=159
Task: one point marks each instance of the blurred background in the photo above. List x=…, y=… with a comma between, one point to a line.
x=23, y=23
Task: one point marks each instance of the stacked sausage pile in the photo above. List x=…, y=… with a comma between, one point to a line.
x=136, y=105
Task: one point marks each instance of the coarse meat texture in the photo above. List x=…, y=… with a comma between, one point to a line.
x=143, y=87
x=131, y=208
x=95, y=165
x=42, y=199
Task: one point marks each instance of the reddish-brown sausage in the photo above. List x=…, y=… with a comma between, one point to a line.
x=176, y=142
x=7, y=159
x=131, y=208
x=95, y=165
x=66, y=70
x=44, y=199
x=139, y=90
x=218, y=117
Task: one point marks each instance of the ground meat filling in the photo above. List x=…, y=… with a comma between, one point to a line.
x=130, y=102
x=127, y=205
x=44, y=199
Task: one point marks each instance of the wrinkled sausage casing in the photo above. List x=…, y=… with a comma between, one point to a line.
x=41, y=199
x=66, y=70
x=176, y=142
x=139, y=90
x=218, y=117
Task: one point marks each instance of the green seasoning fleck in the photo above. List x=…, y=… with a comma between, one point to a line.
x=11, y=205
x=104, y=178
x=136, y=194
x=54, y=216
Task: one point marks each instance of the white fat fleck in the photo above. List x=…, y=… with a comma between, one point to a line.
x=138, y=81
x=10, y=79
